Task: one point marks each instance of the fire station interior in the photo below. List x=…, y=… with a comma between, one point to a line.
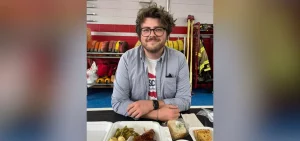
x=111, y=32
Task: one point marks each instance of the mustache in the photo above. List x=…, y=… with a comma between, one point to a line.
x=153, y=38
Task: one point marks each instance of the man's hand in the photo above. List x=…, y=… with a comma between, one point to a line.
x=168, y=112
x=139, y=108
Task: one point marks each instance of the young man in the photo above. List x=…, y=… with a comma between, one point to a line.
x=152, y=80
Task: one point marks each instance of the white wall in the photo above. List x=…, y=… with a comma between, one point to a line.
x=201, y=9
x=124, y=11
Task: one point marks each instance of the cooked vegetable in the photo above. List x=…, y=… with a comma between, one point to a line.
x=125, y=133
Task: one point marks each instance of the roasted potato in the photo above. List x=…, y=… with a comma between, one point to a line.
x=121, y=138
x=113, y=139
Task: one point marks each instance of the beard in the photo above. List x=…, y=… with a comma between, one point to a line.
x=153, y=44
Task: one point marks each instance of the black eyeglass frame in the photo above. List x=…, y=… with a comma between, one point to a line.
x=164, y=30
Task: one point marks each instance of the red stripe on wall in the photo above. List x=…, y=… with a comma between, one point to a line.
x=179, y=30
x=127, y=28
x=131, y=28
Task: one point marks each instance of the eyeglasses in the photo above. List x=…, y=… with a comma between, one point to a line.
x=158, y=31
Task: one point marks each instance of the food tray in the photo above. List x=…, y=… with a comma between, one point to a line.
x=97, y=131
x=161, y=133
x=191, y=129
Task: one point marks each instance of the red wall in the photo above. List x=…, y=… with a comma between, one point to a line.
x=125, y=29
x=208, y=42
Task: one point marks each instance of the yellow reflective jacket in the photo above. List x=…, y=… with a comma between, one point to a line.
x=204, y=67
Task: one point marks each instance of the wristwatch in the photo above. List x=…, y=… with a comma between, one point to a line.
x=155, y=104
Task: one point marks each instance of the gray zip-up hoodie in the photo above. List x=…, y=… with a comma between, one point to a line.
x=132, y=83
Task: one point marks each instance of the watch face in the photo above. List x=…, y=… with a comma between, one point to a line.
x=155, y=104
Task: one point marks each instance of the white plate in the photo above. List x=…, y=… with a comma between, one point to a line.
x=161, y=134
x=195, y=128
x=97, y=131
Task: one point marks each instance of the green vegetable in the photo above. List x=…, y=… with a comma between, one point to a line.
x=125, y=132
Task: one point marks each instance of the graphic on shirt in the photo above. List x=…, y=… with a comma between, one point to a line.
x=152, y=95
x=152, y=87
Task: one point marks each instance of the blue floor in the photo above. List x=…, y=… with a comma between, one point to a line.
x=101, y=98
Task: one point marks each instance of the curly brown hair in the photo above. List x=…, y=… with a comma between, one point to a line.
x=153, y=11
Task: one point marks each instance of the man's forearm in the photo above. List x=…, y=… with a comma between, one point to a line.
x=161, y=103
x=151, y=115
x=183, y=104
x=119, y=107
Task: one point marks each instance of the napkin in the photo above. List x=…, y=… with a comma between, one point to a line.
x=207, y=113
x=191, y=120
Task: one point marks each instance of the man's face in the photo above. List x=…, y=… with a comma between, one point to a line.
x=153, y=40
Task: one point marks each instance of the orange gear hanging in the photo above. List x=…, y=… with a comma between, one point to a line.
x=100, y=80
